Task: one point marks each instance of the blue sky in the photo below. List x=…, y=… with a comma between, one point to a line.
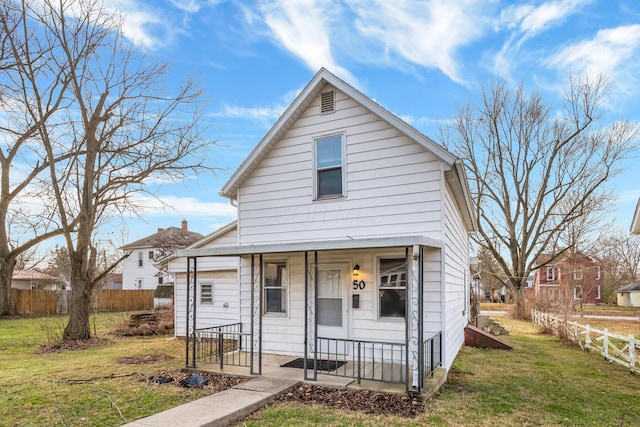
x=418, y=59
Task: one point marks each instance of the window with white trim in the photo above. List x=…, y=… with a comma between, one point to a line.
x=598, y=294
x=392, y=287
x=150, y=255
x=206, y=292
x=577, y=274
x=276, y=281
x=138, y=283
x=597, y=272
x=550, y=273
x=328, y=167
x=140, y=259
x=577, y=292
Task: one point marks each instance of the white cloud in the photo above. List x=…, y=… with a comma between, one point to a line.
x=526, y=21
x=303, y=28
x=530, y=20
x=612, y=51
x=424, y=33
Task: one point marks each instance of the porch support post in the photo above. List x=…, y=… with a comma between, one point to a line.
x=260, y=301
x=415, y=310
x=407, y=319
x=315, y=315
x=251, y=283
x=306, y=312
x=190, y=332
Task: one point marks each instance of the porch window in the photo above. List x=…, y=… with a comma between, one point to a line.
x=275, y=287
x=392, y=288
x=329, y=167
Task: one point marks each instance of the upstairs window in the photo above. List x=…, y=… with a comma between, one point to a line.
x=577, y=274
x=550, y=273
x=140, y=259
x=151, y=255
x=329, y=176
x=598, y=272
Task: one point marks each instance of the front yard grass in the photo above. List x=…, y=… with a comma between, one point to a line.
x=67, y=388
x=542, y=382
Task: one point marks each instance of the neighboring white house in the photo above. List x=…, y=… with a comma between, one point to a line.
x=351, y=245
x=33, y=279
x=139, y=270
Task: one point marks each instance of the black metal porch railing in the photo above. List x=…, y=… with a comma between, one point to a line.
x=362, y=360
x=432, y=351
x=222, y=345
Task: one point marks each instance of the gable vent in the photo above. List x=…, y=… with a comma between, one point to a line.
x=327, y=102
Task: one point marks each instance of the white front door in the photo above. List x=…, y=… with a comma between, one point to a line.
x=333, y=307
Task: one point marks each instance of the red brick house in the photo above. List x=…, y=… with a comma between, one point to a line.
x=574, y=277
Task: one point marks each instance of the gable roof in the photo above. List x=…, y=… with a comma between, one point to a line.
x=32, y=275
x=629, y=288
x=164, y=233
x=635, y=222
x=457, y=179
x=200, y=243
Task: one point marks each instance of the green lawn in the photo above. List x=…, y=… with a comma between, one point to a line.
x=540, y=383
x=62, y=388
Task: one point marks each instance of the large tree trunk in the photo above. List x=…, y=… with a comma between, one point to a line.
x=78, y=327
x=6, y=272
x=520, y=311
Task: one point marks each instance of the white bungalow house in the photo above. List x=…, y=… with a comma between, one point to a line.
x=350, y=251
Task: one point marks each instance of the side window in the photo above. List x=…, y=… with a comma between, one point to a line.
x=329, y=170
x=275, y=287
x=206, y=292
x=139, y=283
x=140, y=259
x=392, y=287
x=550, y=275
x=151, y=255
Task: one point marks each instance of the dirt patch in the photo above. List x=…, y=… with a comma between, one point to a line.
x=72, y=345
x=140, y=360
x=366, y=401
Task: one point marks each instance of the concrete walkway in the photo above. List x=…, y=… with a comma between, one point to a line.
x=220, y=409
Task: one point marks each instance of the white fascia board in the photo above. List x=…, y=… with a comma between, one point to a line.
x=323, y=245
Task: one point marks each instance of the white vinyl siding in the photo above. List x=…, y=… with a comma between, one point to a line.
x=392, y=182
x=456, y=285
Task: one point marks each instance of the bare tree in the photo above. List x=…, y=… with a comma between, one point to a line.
x=619, y=255
x=534, y=172
x=27, y=218
x=120, y=128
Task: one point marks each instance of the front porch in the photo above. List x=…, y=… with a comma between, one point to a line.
x=342, y=363
x=300, y=303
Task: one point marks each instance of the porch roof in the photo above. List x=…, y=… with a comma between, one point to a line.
x=321, y=245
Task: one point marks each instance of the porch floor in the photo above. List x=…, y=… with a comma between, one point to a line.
x=272, y=368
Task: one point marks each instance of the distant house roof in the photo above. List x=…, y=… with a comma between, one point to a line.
x=635, y=222
x=629, y=288
x=181, y=235
x=32, y=275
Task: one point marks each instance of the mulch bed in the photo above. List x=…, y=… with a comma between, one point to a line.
x=365, y=401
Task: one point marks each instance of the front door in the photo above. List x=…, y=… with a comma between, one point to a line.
x=333, y=309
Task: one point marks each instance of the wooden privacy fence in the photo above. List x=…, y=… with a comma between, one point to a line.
x=621, y=349
x=57, y=302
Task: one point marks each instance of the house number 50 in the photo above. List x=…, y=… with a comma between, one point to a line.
x=359, y=285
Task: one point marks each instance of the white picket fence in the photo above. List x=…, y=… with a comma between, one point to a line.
x=615, y=348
